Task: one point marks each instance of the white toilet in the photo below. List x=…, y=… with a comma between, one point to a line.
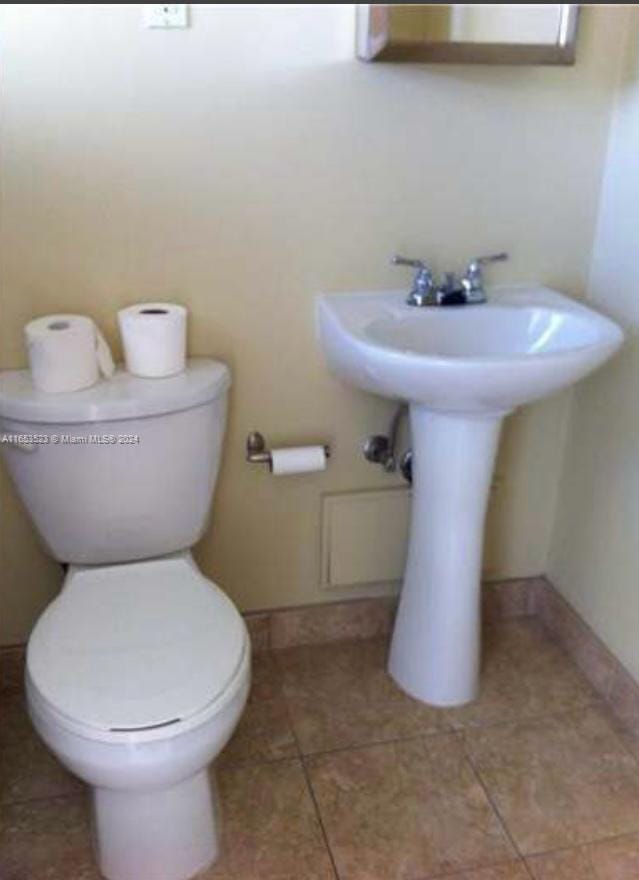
x=138, y=672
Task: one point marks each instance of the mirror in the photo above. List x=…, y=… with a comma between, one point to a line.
x=462, y=33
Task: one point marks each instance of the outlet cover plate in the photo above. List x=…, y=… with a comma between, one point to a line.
x=166, y=15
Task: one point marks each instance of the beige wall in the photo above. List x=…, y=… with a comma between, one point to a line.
x=506, y=23
x=595, y=555
x=243, y=166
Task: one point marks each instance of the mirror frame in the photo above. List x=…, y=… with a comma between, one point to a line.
x=374, y=43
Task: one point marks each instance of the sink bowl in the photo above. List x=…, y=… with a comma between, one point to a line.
x=521, y=345
x=461, y=369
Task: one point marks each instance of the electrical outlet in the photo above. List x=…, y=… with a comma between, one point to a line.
x=166, y=15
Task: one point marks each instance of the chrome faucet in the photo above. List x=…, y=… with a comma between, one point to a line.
x=473, y=280
x=423, y=289
x=451, y=291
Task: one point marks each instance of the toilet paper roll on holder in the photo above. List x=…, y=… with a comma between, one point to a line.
x=257, y=453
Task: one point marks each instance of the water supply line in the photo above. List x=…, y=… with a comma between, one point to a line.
x=382, y=448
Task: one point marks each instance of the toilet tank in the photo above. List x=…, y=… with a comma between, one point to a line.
x=120, y=471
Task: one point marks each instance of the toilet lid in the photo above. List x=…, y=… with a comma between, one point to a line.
x=135, y=646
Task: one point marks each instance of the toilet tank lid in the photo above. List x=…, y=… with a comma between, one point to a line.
x=123, y=396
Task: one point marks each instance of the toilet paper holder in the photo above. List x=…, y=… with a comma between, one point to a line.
x=257, y=453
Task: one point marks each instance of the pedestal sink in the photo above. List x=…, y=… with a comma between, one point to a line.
x=461, y=369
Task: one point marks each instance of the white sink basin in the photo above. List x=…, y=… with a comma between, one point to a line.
x=523, y=344
x=461, y=369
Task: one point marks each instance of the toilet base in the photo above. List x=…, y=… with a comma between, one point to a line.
x=163, y=834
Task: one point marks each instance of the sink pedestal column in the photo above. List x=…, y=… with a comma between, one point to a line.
x=435, y=649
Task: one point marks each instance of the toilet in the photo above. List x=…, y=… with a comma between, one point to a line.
x=138, y=672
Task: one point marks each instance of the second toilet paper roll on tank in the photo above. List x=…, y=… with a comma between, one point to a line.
x=154, y=338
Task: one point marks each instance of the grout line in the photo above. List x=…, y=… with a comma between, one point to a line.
x=595, y=702
x=452, y=731
x=318, y=813
x=354, y=747
x=491, y=801
x=254, y=762
x=307, y=779
x=300, y=758
x=584, y=843
x=524, y=857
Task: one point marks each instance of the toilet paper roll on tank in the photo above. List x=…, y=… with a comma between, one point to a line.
x=66, y=353
x=154, y=338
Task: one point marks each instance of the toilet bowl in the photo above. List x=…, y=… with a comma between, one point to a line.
x=138, y=671
x=136, y=678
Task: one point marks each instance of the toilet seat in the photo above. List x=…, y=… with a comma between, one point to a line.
x=137, y=650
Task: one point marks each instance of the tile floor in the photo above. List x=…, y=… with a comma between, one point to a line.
x=334, y=773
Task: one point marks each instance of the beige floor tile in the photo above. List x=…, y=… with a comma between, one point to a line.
x=46, y=840
x=566, y=864
x=265, y=732
x=271, y=830
x=218, y=871
x=28, y=770
x=308, y=662
x=558, y=781
x=627, y=737
x=259, y=628
x=508, y=871
x=524, y=675
x=50, y=839
x=616, y=859
x=341, y=695
x=15, y=724
x=12, y=669
x=266, y=677
x=405, y=810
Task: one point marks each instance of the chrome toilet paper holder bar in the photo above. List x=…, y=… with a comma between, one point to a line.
x=257, y=453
